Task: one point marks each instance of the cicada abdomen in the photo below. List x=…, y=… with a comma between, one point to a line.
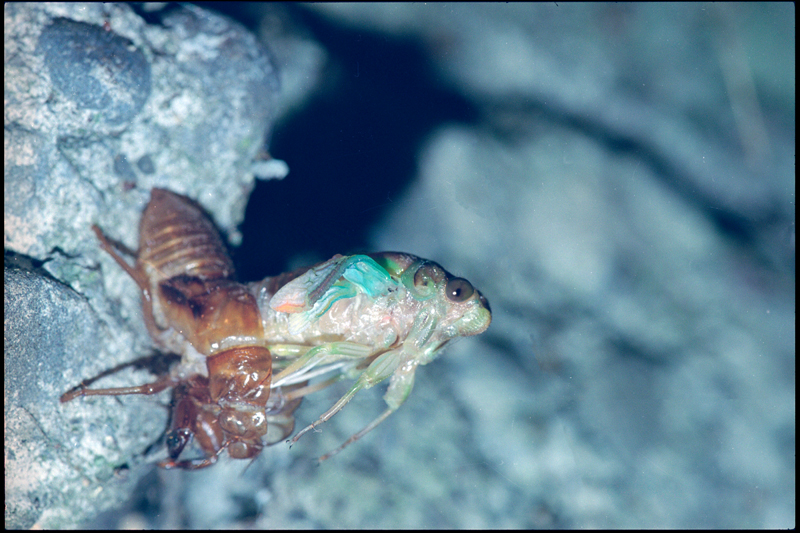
x=177, y=239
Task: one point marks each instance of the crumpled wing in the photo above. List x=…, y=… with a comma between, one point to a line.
x=309, y=296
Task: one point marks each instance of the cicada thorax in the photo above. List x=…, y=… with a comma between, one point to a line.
x=212, y=315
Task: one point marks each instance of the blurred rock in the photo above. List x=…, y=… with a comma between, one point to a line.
x=626, y=203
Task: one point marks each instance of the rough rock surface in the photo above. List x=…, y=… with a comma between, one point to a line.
x=101, y=106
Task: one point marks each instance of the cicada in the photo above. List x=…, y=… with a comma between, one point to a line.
x=249, y=351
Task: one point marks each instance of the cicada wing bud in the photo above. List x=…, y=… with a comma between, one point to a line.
x=298, y=322
x=301, y=293
x=309, y=296
x=370, y=278
x=291, y=298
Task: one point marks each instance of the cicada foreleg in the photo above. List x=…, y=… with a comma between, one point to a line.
x=389, y=364
x=111, y=248
x=155, y=387
x=399, y=388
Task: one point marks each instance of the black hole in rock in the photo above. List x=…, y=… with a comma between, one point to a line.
x=352, y=149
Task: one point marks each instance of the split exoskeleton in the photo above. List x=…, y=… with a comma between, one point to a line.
x=364, y=317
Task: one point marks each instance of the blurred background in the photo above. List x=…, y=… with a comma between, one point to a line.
x=619, y=181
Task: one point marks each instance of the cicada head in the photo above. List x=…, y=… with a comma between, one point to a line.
x=448, y=306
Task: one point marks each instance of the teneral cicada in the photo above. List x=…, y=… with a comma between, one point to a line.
x=364, y=317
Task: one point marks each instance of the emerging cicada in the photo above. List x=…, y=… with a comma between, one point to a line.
x=365, y=317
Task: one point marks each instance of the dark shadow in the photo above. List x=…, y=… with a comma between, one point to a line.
x=351, y=150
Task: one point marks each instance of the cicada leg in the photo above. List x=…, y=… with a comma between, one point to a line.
x=372, y=425
x=388, y=364
x=192, y=464
x=399, y=389
x=309, y=389
x=155, y=387
x=111, y=248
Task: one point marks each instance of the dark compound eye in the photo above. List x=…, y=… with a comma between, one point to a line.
x=458, y=290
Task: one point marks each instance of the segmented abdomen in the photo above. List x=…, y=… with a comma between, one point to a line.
x=176, y=238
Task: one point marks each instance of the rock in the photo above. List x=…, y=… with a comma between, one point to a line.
x=101, y=106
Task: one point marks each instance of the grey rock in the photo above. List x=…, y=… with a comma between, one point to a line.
x=100, y=107
x=80, y=58
x=192, y=100
x=65, y=463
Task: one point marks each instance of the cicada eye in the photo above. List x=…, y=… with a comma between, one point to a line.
x=458, y=290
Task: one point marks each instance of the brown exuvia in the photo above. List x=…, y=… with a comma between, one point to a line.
x=193, y=307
